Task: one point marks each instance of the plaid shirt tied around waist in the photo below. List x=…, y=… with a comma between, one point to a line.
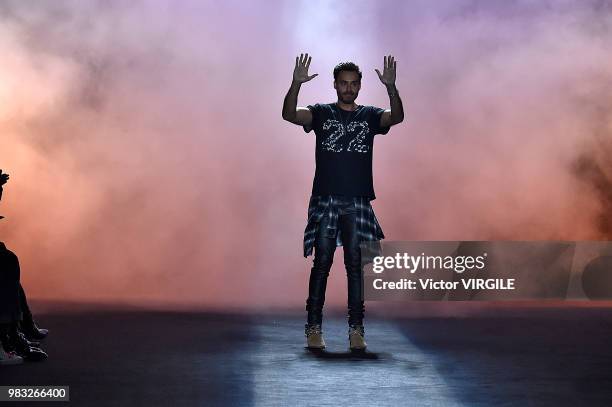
x=319, y=206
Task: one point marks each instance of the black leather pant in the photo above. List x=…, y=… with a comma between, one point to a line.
x=325, y=248
x=10, y=289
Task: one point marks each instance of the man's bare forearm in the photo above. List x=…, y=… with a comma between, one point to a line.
x=290, y=102
x=397, y=108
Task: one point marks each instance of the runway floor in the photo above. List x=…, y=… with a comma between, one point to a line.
x=526, y=357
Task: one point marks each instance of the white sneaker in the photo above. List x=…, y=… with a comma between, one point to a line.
x=9, y=358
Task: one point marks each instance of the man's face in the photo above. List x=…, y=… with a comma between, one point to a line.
x=347, y=86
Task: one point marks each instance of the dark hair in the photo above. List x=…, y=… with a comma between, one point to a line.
x=346, y=66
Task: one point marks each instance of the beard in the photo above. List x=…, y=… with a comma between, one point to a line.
x=348, y=98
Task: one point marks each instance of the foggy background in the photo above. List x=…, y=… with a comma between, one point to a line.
x=149, y=161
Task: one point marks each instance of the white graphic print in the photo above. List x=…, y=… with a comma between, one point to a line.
x=356, y=130
x=357, y=143
x=331, y=142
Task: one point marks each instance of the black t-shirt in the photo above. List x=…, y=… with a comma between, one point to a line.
x=344, y=149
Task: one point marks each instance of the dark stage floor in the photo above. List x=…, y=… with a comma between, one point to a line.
x=526, y=357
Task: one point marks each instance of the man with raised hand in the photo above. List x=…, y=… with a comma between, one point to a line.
x=339, y=212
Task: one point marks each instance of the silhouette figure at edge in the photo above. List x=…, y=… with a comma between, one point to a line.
x=17, y=327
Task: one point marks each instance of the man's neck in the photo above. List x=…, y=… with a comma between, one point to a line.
x=346, y=106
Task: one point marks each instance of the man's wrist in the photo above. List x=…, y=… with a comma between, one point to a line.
x=391, y=90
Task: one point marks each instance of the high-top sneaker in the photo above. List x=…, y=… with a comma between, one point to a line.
x=31, y=330
x=356, y=337
x=17, y=342
x=314, y=336
x=9, y=358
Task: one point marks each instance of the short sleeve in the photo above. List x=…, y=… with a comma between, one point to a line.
x=375, y=115
x=316, y=112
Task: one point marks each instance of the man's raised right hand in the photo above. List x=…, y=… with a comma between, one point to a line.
x=300, y=73
x=3, y=178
